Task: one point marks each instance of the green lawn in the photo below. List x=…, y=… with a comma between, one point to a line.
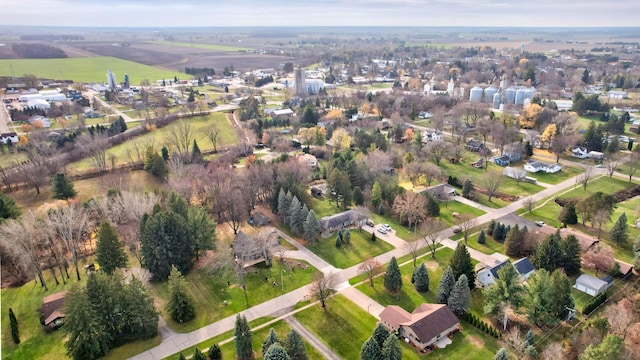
x=343, y=326
x=204, y=46
x=359, y=248
x=468, y=344
x=489, y=247
x=449, y=207
x=86, y=69
x=159, y=137
x=211, y=290
x=567, y=172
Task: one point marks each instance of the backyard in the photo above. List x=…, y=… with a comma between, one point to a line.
x=359, y=248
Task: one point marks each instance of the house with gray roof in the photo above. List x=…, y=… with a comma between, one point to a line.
x=342, y=220
x=592, y=285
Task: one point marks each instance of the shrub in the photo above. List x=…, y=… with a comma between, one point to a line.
x=597, y=301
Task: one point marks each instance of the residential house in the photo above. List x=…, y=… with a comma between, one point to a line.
x=535, y=166
x=11, y=137
x=431, y=135
x=488, y=275
x=595, y=155
x=524, y=268
x=514, y=173
x=427, y=327
x=281, y=114
x=441, y=192
x=251, y=250
x=507, y=158
x=475, y=145
x=52, y=310
x=308, y=160
x=39, y=120
x=592, y=285
x=345, y=219
x=616, y=94
x=259, y=219
x=580, y=152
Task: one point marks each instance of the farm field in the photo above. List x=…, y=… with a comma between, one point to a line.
x=205, y=46
x=90, y=69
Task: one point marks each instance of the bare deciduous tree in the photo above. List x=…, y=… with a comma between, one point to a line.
x=410, y=208
x=95, y=147
x=633, y=164
x=24, y=242
x=492, y=183
x=621, y=316
x=598, y=258
x=438, y=149
x=370, y=268
x=212, y=134
x=584, y=179
x=323, y=286
x=413, y=248
x=528, y=204
x=71, y=225
x=553, y=352
x=181, y=137
x=611, y=162
x=466, y=225
x=430, y=232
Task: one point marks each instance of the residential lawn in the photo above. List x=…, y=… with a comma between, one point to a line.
x=211, y=290
x=400, y=230
x=7, y=159
x=159, y=138
x=449, y=207
x=468, y=344
x=204, y=46
x=495, y=203
x=567, y=172
x=324, y=207
x=134, y=348
x=343, y=326
x=409, y=298
x=86, y=69
x=357, y=250
x=489, y=247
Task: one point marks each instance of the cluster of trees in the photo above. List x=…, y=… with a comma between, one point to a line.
x=118, y=126
x=174, y=236
x=264, y=81
x=554, y=252
x=597, y=208
x=297, y=216
x=382, y=345
x=107, y=312
x=582, y=104
x=199, y=71
x=498, y=230
x=457, y=281
x=273, y=348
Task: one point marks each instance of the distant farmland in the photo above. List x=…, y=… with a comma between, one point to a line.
x=205, y=46
x=89, y=69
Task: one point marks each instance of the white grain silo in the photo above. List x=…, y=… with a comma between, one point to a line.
x=520, y=96
x=475, y=95
x=510, y=95
x=488, y=93
x=496, y=100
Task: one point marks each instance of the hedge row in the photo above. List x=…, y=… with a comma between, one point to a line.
x=597, y=301
x=472, y=319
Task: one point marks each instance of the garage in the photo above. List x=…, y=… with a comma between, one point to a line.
x=591, y=285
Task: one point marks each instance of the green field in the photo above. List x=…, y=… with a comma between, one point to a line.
x=357, y=250
x=205, y=46
x=89, y=69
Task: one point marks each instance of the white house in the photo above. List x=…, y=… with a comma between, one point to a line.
x=524, y=267
x=580, y=152
x=591, y=285
x=596, y=155
x=535, y=166
x=488, y=275
x=431, y=135
x=6, y=138
x=284, y=113
x=514, y=173
x=616, y=94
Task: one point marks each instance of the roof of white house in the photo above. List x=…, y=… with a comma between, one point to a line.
x=591, y=281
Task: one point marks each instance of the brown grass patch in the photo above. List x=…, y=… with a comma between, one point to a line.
x=475, y=341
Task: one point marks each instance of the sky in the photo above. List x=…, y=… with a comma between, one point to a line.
x=188, y=13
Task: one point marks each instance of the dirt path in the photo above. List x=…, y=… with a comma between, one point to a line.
x=311, y=339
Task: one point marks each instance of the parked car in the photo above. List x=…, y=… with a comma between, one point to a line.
x=457, y=230
x=369, y=222
x=540, y=223
x=381, y=230
x=386, y=227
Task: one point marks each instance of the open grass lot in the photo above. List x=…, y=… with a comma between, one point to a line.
x=567, y=172
x=159, y=137
x=357, y=250
x=205, y=46
x=550, y=211
x=86, y=69
x=489, y=247
x=211, y=290
x=343, y=326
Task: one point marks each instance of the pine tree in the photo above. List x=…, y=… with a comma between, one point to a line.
x=501, y=355
x=339, y=239
x=461, y=264
x=421, y=278
x=346, y=236
x=299, y=219
x=467, y=188
x=529, y=337
x=181, y=356
x=295, y=346
x=433, y=208
x=513, y=242
x=380, y=334
x=460, y=297
x=180, y=306
x=482, y=238
x=292, y=213
x=547, y=254
x=620, y=230
x=283, y=205
x=391, y=349
x=243, y=342
x=15, y=332
x=358, y=196
x=197, y=355
x=447, y=281
x=393, y=277
x=491, y=227
x=311, y=227
x=272, y=338
x=8, y=208
x=110, y=252
x=196, y=154
x=276, y=352
x=373, y=237
x=87, y=337
x=370, y=350
x=62, y=187
x=214, y=352
x=568, y=215
x=571, y=255
x=376, y=195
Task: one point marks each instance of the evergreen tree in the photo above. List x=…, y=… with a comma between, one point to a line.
x=181, y=356
x=292, y=214
x=202, y=229
x=311, y=227
x=300, y=218
x=87, y=337
x=370, y=350
x=164, y=152
x=447, y=281
x=460, y=297
x=358, y=196
x=610, y=348
x=568, y=215
x=196, y=154
x=467, y=188
x=110, y=252
x=620, y=230
x=8, y=208
x=421, y=278
x=214, y=352
x=482, y=239
x=62, y=187
x=528, y=149
x=339, y=238
x=197, y=355
x=283, y=205
x=276, y=352
x=461, y=264
x=272, y=338
x=156, y=165
x=391, y=349
x=547, y=254
x=376, y=195
x=295, y=346
x=529, y=337
x=433, y=208
x=380, y=334
x=346, y=236
x=513, y=243
x=373, y=237
x=491, y=227
x=15, y=332
x=243, y=342
x=180, y=306
x=501, y=355
x=571, y=255
x=393, y=277
x=504, y=294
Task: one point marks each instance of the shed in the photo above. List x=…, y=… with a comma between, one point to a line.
x=52, y=309
x=591, y=285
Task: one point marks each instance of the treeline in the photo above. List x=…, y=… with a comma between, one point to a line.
x=116, y=127
x=265, y=80
x=37, y=51
x=200, y=71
